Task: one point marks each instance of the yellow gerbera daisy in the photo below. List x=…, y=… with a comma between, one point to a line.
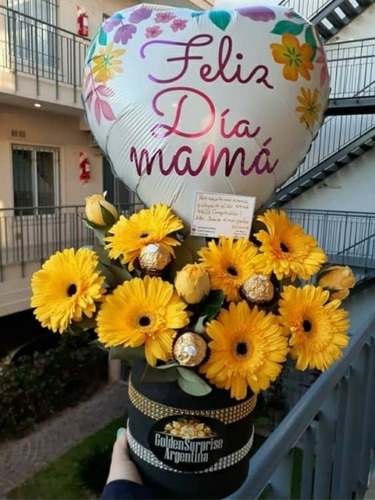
x=317, y=327
x=142, y=312
x=296, y=58
x=152, y=225
x=229, y=264
x=309, y=108
x=287, y=250
x=66, y=288
x=106, y=65
x=246, y=351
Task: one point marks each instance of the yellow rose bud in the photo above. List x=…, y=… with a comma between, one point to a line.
x=339, y=294
x=93, y=211
x=192, y=283
x=337, y=278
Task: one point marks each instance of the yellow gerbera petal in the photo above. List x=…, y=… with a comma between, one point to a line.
x=66, y=288
x=230, y=263
x=128, y=237
x=142, y=312
x=287, y=250
x=246, y=350
x=317, y=328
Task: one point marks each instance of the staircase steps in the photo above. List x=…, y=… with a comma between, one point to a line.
x=327, y=167
x=335, y=15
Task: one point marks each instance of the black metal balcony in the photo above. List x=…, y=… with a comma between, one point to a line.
x=42, y=50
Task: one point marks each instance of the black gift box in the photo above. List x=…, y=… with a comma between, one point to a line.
x=187, y=446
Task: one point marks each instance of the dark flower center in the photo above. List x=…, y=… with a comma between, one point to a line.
x=144, y=235
x=284, y=248
x=241, y=349
x=144, y=321
x=307, y=326
x=232, y=271
x=72, y=289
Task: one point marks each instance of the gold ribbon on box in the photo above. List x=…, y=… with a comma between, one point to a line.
x=223, y=463
x=157, y=411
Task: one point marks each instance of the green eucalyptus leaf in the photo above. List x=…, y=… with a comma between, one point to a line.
x=167, y=366
x=127, y=353
x=154, y=375
x=191, y=383
x=199, y=326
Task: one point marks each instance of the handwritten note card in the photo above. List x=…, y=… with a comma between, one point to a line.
x=218, y=214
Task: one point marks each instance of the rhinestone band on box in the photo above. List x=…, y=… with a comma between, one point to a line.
x=223, y=463
x=158, y=411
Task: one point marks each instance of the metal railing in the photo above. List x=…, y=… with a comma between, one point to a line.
x=306, y=9
x=40, y=49
x=33, y=238
x=336, y=133
x=352, y=68
x=324, y=446
x=347, y=237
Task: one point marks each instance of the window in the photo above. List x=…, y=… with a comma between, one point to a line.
x=34, y=41
x=35, y=179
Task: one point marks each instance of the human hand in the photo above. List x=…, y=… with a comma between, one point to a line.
x=121, y=465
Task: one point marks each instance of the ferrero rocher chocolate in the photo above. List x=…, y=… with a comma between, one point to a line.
x=189, y=349
x=258, y=289
x=154, y=258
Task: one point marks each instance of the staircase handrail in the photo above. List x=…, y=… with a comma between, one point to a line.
x=310, y=15
x=356, y=244
x=267, y=466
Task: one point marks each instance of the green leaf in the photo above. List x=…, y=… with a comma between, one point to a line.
x=108, y=218
x=120, y=274
x=127, y=353
x=102, y=37
x=212, y=304
x=220, y=18
x=199, y=326
x=311, y=40
x=167, y=366
x=287, y=27
x=99, y=231
x=86, y=323
x=156, y=375
x=191, y=383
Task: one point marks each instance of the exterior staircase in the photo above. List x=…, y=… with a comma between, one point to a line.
x=329, y=17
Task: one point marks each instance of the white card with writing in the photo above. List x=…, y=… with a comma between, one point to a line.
x=218, y=214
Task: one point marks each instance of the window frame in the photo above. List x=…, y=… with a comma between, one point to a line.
x=36, y=208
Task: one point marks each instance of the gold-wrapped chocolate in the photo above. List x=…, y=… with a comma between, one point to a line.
x=258, y=289
x=189, y=349
x=154, y=258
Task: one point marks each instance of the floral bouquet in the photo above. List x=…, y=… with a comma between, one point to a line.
x=207, y=326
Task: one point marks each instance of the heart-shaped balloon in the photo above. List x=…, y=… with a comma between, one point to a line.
x=224, y=101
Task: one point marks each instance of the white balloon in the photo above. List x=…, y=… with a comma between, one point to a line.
x=184, y=101
x=232, y=4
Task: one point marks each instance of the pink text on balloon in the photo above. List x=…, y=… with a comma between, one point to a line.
x=206, y=72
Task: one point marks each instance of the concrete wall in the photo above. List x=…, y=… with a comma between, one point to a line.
x=51, y=130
